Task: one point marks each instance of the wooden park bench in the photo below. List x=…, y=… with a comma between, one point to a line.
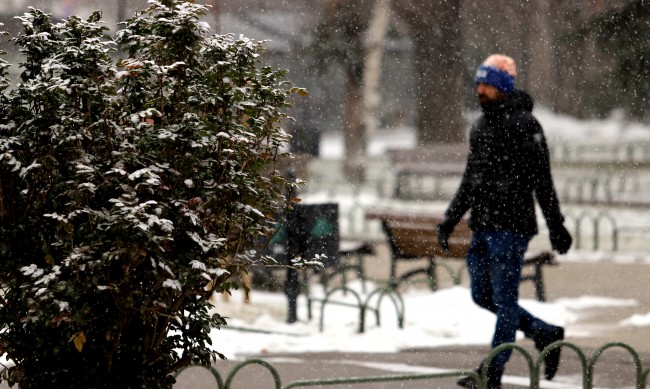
x=421, y=172
x=414, y=237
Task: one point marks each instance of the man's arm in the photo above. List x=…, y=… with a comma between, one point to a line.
x=544, y=186
x=460, y=203
x=545, y=190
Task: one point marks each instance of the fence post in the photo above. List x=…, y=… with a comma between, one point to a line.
x=395, y=297
x=532, y=368
x=211, y=369
x=360, y=305
x=640, y=375
x=562, y=343
x=587, y=366
x=578, y=221
x=600, y=216
x=261, y=362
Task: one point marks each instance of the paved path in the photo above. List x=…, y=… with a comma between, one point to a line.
x=612, y=371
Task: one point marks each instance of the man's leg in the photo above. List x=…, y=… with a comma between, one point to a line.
x=505, y=251
x=478, y=267
x=494, y=261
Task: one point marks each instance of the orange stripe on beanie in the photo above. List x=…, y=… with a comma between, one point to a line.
x=502, y=62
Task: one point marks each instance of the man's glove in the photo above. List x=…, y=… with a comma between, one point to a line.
x=443, y=235
x=560, y=239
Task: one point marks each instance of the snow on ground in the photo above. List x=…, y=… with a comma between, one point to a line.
x=443, y=318
x=615, y=128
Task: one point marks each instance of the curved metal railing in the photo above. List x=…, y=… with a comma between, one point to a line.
x=588, y=366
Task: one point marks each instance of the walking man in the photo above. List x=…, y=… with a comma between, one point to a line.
x=507, y=168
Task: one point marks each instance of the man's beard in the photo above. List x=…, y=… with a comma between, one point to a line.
x=486, y=102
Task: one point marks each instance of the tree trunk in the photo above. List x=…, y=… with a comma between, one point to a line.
x=350, y=19
x=436, y=31
x=375, y=43
x=355, y=140
x=215, y=11
x=121, y=10
x=439, y=93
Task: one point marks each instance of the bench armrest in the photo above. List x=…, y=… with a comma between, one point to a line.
x=540, y=258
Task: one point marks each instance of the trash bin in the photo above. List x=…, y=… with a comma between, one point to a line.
x=311, y=230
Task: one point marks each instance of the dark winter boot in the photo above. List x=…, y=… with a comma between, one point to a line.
x=552, y=360
x=493, y=378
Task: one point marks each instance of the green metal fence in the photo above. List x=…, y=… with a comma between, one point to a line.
x=588, y=366
x=365, y=305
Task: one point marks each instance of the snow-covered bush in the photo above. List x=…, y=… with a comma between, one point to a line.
x=132, y=187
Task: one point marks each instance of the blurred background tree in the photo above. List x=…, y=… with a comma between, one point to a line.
x=624, y=35
x=435, y=28
x=430, y=52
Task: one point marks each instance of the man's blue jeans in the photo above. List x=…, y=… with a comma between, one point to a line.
x=494, y=262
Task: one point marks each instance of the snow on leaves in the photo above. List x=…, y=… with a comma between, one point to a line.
x=137, y=215
x=208, y=243
x=40, y=276
x=173, y=284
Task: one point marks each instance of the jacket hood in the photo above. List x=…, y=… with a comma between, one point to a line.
x=522, y=100
x=518, y=101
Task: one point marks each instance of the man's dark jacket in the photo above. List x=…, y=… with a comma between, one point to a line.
x=508, y=165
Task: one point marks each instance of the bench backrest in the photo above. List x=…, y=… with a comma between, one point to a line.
x=431, y=154
x=417, y=237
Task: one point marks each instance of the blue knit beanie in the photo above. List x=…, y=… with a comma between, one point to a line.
x=495, y=77
x=499, y=71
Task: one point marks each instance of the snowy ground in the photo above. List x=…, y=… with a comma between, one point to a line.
x=459, y=322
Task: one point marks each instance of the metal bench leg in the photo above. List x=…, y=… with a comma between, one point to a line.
x=354, y=261
x=393, y=281
x=431, y=272
x=362, y=275
x=539, y=283
x=360, y=272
